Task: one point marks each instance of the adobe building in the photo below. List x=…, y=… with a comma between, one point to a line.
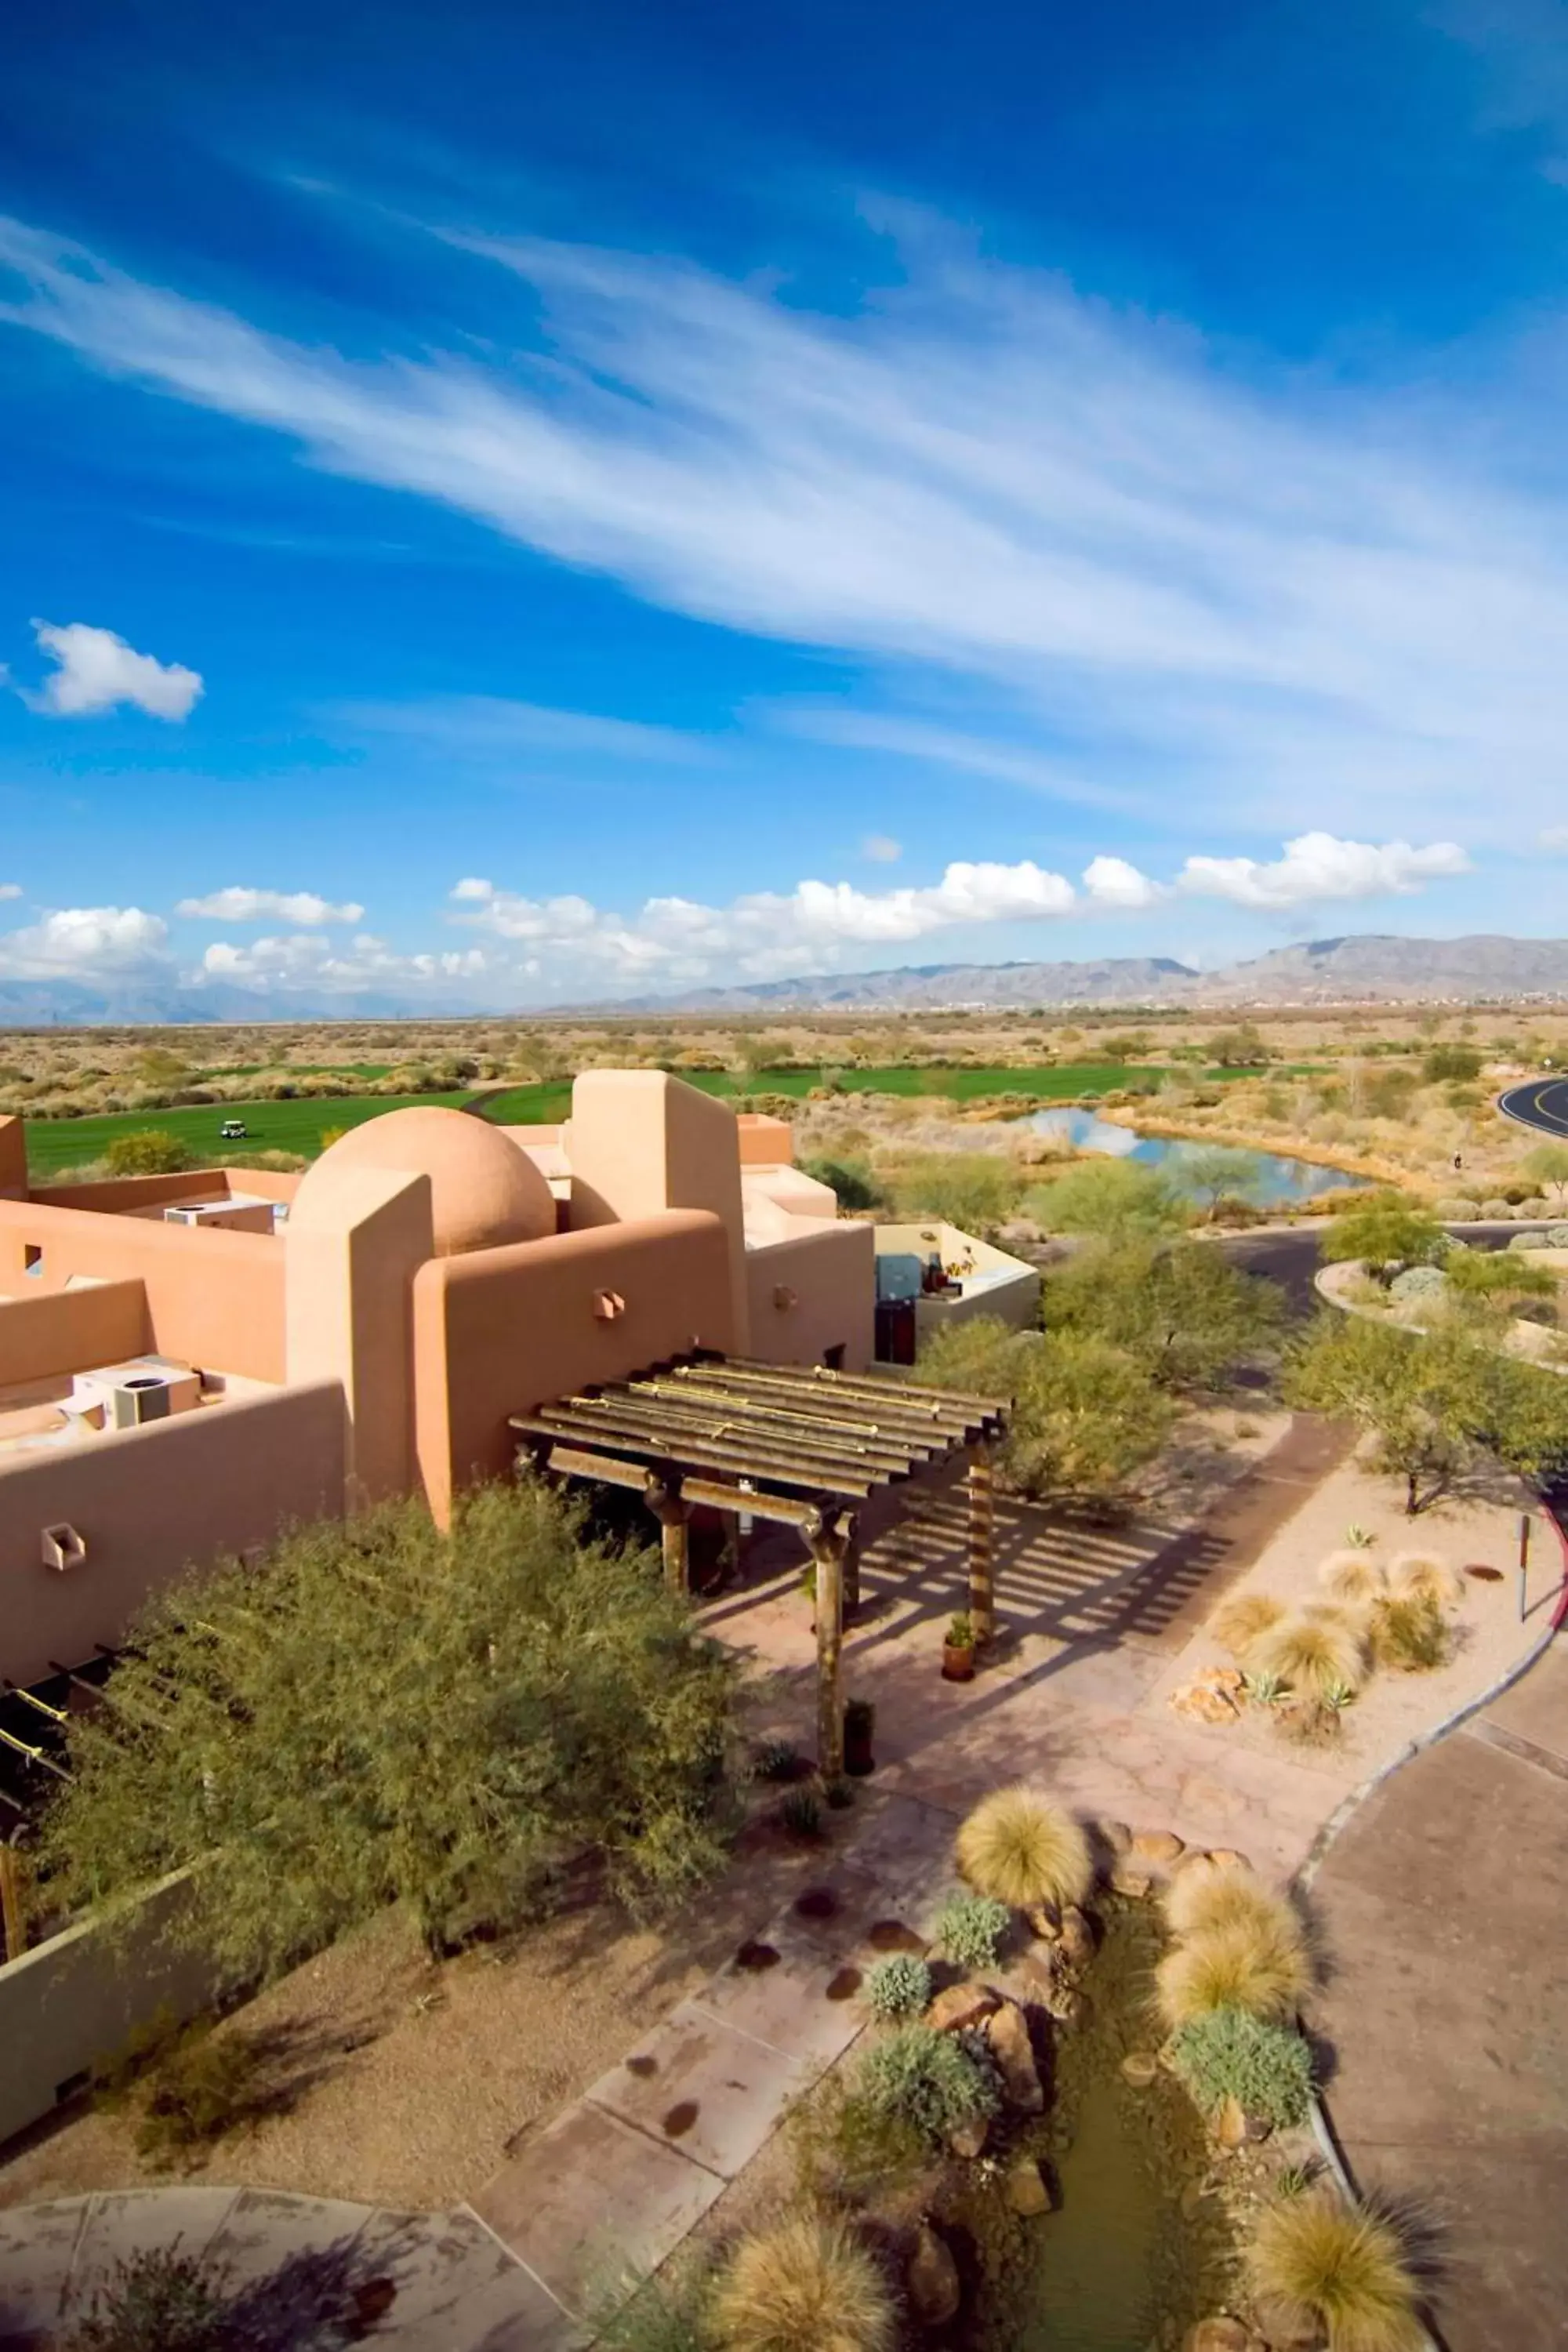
x=189, y=1363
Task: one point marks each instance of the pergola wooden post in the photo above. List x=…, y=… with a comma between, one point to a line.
x=13, y=1910
x=982, y=1542
x=829, y=1536
x=661, y=1491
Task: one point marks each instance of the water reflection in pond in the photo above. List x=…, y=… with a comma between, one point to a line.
x=1273, y=1180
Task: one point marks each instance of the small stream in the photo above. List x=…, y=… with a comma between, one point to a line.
x=1096, y=2287
x=1274, y=1180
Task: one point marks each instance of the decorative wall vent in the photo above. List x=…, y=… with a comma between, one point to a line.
x=63, y=1547
x=609, y=1305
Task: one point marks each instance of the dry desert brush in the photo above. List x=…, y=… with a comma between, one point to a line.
x=1321, y=2261
x=1424, y=1576
x=1022, y=1850
x=805, y=2282
x=1352, y=1578
x=387, y=1713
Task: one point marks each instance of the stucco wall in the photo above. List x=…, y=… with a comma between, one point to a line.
x=148, y=1503
x=355, y=1245
x=812, y=1294
x=71, y=1330
x=76, y=1998
x=764, y=1143
x=13, y=1157
x=119, y=1194
x=214, y=1300
x=497, y=1331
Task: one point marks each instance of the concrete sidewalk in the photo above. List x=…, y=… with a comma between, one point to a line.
x=1444, y=1903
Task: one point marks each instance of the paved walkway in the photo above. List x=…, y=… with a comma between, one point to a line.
x=1444, y=1903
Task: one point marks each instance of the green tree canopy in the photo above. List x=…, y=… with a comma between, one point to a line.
x=1446, y=1062
x=1385, y=1231
x=384, y=1713
x=1086, y=1414
x=1215, y=1172
x=853, y=1184
x=1110, y=1198
x=1178, y=1309
x=1431, y=1401
x=975, y=1189
x=1240, y=1048
x=1547, y=1165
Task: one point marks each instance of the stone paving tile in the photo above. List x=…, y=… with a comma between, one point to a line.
x=37, y=2245
x=1537, y=1708
x=514, y=2313
x=788, y=2008
x=143, y=2220
x=698, y=2083
x=437, y=2262
x=592, y=2200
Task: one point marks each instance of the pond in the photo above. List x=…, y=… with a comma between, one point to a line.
x=1274, y=1180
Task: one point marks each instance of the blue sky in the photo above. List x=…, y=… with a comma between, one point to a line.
x=511, y=505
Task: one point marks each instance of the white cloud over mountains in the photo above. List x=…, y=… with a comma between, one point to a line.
x=78, y=941
x=95, y=671
x=1137, y=575
x=237, y=904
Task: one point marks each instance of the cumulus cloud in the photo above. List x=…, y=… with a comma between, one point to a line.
x=768, y=933
x=309, y=961
x=239, y=905
x=95, y=671
x=85, y=943
x=1134, y=567
x=1316, y=868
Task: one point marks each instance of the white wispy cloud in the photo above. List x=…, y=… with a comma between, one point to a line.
x=766, y=933
x=10, y=890
x=881, y=849
x=239, y=905
x=86, y=942
x=1149, y=577
x=487, y=726
x=95, y=671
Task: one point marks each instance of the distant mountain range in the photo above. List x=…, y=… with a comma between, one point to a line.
x=1370, y=967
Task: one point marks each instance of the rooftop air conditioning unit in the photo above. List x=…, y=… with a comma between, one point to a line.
x=140, y=1396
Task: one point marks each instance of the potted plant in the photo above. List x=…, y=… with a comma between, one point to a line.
x=958, y=1650
x=860, y=1724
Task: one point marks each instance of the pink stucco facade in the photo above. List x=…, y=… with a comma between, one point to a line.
x=430, y=1275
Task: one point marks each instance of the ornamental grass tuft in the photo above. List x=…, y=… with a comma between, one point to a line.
x=1316, y=1656
x=1423, y=1576
x=1258, y=1965
x=1354, y=1577
x=1023, y=1851
x=805, y=2282
x=1321, y=2260
x=1207, y=1895
x=1241, y=1623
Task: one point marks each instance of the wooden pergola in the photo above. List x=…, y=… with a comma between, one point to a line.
x=803, y=1446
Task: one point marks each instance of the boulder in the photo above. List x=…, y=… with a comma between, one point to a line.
x=1046, y=1922
x=961, y=2005
x=1140, y=2068
x=1026, y=2189
x=1115, y=1837
x=1159, y=1847
x=1230, y=2124
x=1136, y=1883
x=1007, y=2031
x=1218, y=2335
x=931, y=2280
x=1076, y=1938
x=1225, y=1857
x=969, y=2139
x=1199, y=1702
x=1286, y=2328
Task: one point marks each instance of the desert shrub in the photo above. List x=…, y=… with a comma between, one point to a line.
x=667, y=2313
x=1022, y=1850
x=1409, y=1632
x=188, y=2085
x=1453, y=1210
x=1206, y=1896
x=1258, y=1965
x=1422, y=1575
x=970, y=1929
x=932, y=2082
x=1520, y=1243
x=1554, y=1237
x=1353, y=1577
x=1495, y=1208
x=897, y=1987
x=776, y=1759
x=974, y=1190
x=1417, y=1282
x=157, y=2301
x=1321, y=2260
x=851, y=1180
x=1229, y=2054
x=805, y=2281
x=1314, y=1655
x=1238, y=1623
x=148, y=1151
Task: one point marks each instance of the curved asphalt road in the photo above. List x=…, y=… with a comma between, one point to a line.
x=1541, y=1103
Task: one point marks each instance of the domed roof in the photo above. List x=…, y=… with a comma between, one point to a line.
x=483, y=1189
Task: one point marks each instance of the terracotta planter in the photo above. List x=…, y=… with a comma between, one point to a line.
x=958, y=1662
